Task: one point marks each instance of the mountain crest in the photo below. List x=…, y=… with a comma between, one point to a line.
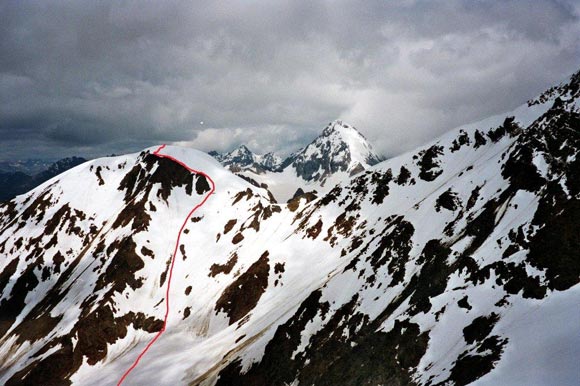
x=271, y=161
x=242, y=149
x=340, y=151
x=242, y=158
x=341, y=128
x=340, y=148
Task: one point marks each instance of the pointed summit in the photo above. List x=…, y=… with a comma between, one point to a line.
x=242, y=149
x=270, y=161
x=241, y=157
x=340, y=148
x=336, y=126
x=340, y=151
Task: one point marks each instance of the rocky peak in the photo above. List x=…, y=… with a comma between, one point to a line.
x=242, y=149
x=270, y=161
x=339, y=127
x=340, y=148
x=240, y=157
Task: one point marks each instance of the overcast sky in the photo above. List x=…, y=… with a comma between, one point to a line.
x=98, y=77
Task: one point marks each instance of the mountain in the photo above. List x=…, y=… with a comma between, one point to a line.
x=340, y=148
x=27, y=166
x=338, y=152
x=452, y=264
x=242, y=158
x=270, y=161
x=62, y=165
x=16, y=182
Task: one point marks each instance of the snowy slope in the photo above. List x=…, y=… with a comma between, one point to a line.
x=434, y=267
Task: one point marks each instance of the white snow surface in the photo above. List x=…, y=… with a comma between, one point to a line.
x=544, y=344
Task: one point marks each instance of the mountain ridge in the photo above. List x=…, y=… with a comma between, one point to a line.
x=338, y=152
x=17, y=182
x=351, y=287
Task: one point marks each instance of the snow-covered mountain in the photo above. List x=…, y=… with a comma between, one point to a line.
x=270, y=161
x=340, y=152
x=243, y=158
x=455, y=263
x=340, y=148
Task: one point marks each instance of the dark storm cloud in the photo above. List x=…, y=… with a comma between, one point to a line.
x=101, y=77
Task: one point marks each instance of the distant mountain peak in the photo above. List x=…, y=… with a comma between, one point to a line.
x=338, y=126
x=242, y=158
x=242, y=149
x=271, y=161
x=65, y=164
x=339, y=151
x=340, y=148
x=332, y=127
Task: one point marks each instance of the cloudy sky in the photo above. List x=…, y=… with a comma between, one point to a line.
x=93, y=78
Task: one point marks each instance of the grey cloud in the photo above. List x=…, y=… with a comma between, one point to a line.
x=98, y=77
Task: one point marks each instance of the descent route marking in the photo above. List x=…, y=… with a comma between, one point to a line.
x=167, y=308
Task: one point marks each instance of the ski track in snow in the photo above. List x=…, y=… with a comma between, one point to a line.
x=167, y=308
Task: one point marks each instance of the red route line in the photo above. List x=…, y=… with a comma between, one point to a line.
x=158, y=154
